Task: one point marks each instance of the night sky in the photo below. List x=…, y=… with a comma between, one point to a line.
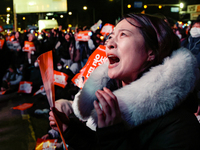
x=106, y=10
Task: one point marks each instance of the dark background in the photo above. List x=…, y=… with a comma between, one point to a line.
x=106, y=10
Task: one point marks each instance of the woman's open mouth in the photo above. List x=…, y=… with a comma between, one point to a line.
x=113, y=59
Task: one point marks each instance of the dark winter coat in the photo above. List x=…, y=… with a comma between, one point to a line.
x=193, y=44
x=157, y=109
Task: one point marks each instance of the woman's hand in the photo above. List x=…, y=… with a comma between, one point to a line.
x=110, y=113
x=61, y=119
x=45, y=137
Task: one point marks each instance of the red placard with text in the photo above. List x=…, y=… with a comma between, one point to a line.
x=49, y=144
x=25, y=87
x=97, y=58
x=60, y=78
x=107, y=29
x=28, y=46
x=83, y=35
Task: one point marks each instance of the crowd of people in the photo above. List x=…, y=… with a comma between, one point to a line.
x=145, y=97
x=18, y=64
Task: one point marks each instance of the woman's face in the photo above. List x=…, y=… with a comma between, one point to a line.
x=17, y=35
x=67, y=37
x=197, y=25
x=30, y=38
x=125, y=50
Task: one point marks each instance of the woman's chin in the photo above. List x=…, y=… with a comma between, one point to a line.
x=112, y=74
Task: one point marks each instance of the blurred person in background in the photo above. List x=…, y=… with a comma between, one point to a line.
x=193, y=41
x=31, y=56
x=11, y=79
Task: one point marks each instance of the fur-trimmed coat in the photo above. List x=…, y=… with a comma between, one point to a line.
x=156, y=93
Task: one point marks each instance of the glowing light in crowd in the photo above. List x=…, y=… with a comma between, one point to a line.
x=70, y=13
x=145, y=6
x=90, y=33
x=8, y=8
x=84, y=7
x=101, y=37
x=129, y=5
x=23, y=18
x=160, y=6
x=61, y=16
x=181, y=5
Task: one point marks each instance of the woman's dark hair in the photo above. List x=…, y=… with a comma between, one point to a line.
x=157, y=34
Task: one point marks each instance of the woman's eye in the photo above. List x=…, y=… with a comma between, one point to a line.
x=123, y=34
x=109, y=37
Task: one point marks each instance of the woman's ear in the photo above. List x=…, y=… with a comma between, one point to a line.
x=151, y=56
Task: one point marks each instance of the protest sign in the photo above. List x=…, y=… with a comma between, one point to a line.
x=28, y=46
x=107, y=29
x=60, y=78
x=25, y=87
x=84, y=35
x=41, y=90
x=16, y=45
x=23, y=106
x=49, y=144
x=2, y=92
x=45, y=62
x=12, y=38
x=96, y=26
x=97, y=58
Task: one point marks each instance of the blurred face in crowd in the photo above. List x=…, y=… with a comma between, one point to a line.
x=67, y=36
x=195, y=30
x=126, y=52
x=10, y=69
x=17, y=35
x=197, y=25
x=31, y=37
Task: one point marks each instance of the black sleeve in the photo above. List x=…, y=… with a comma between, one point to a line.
x=79, y=136
x=115, y=137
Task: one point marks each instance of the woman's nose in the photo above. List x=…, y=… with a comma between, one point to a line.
x=111, y=44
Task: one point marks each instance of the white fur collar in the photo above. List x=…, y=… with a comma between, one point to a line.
x=157, y=92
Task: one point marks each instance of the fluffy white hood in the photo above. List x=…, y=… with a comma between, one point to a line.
x=154, y=94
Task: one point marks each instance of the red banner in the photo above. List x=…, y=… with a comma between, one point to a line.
x=107, y=29
x=97, y=58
